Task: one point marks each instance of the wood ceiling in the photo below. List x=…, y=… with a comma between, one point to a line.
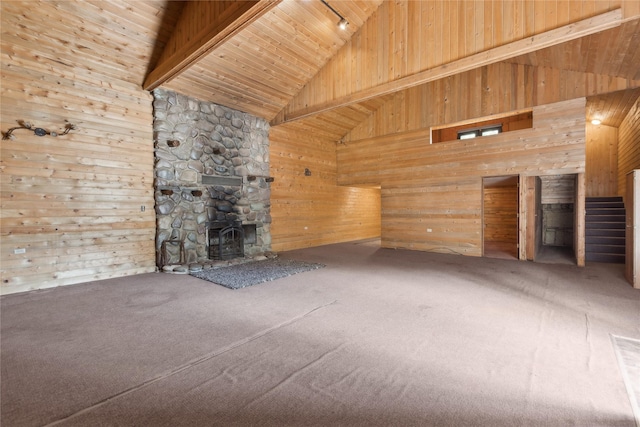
x=611, y=52
x=261, y=57
x=260, y=68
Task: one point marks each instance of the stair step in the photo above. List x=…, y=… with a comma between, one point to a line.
x=606, y=211
x=605, y=225
x=604, y=199
x=605, y=222
x=609, y=232
x=606, y=218
x=606, y=249
x=604, y=206
x=605, y=240
x=609, y=258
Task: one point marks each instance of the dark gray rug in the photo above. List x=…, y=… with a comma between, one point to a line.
x=252, y=273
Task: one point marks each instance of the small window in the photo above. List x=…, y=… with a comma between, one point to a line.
x=488, y=126
x=467, y=134
x=474, y=133
x=491, y=131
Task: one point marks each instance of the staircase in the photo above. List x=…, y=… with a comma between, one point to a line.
x=605, y=228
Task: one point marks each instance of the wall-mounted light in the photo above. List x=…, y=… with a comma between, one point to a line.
x=36, y=131
x=307, y=172
x=343, y=23
x=595, y=122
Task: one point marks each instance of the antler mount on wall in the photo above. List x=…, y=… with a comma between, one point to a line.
x=36, y=130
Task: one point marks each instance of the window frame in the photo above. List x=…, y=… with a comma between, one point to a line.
x=479, y=131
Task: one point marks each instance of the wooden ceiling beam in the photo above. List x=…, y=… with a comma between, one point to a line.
x=536, y=42
x=202, y=27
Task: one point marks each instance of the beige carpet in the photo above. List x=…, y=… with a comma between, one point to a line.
x=628, y=353
x=377, y=337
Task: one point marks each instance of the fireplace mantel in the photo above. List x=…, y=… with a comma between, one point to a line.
x=233, y=181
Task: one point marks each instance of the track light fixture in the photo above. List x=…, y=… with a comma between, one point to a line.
x=343, y=24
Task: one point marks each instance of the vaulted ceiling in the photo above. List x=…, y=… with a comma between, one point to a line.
x=260, y=56
x=263, y=64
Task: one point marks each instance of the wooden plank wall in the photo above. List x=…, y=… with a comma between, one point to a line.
x=508, y=123
x=500, y=219
x=432, y=194
x=313, y=210
x=404, y=37
x=494, y=89
x=628, y=147
x=602, y=160
x=558, y=189
x=439, y=214
x=72, y=203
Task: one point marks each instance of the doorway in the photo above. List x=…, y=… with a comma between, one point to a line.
x=555, y=219
x=500, y=217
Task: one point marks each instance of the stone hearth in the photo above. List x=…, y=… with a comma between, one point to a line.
x=211, y=165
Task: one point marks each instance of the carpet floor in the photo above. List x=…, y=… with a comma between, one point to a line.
x=378, y=337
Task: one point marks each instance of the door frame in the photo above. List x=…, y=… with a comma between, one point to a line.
x=531, y=220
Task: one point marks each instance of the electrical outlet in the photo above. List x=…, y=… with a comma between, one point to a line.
x=429, y=230
x=19, y=251
x=142, y=208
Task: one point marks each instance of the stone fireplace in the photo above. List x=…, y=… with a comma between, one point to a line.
x=211, y=168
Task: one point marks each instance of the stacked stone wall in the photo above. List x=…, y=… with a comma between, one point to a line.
x=195, y=139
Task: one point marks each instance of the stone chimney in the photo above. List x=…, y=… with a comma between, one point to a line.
x=211, y=165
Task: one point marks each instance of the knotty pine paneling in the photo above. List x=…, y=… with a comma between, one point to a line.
x=313, y=210
x=601, y=169
x=405, y=37
x=558, y=189
x=612, y=108
x=196, y=20
x=74, y=203
x=259, y=70
x=500, y=214
x=439, y=186
x=628, y=147
x=441, y=214
x=507, y=123
x=610, y=52
x=494, y=89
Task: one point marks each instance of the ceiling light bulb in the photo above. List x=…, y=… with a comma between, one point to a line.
x=343, y=24
x=595, y=122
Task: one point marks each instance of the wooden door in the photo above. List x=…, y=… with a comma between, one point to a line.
x=632, y=234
